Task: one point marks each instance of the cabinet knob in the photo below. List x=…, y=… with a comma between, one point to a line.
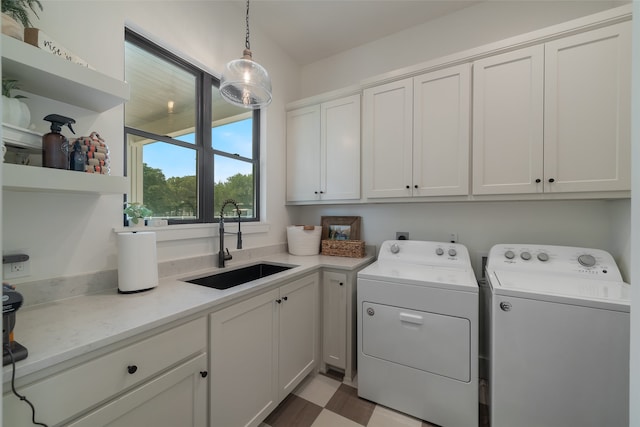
x=321, y=192
x=415, y=186
x=408, y=186
x=279, y=301
x=538, y=181
x=285, y=298
x=552, y=180
x=315, y=192
x=132, y=369
x=204, y=374
x=341, y=283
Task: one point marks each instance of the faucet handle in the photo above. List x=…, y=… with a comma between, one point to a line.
x=227, y=256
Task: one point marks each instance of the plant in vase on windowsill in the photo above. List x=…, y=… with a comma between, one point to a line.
x=136, y=212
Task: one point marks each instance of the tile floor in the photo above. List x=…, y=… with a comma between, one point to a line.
x=324, y=401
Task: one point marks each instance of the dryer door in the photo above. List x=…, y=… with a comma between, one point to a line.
x=427, y=341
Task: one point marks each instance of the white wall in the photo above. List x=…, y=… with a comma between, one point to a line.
x=474, y=26
x=634, y=419
x=67, y=234
x=480, y=225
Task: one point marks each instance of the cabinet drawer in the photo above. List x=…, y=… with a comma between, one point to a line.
x=68, y=393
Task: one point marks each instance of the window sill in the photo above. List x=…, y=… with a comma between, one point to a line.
x=196, y=231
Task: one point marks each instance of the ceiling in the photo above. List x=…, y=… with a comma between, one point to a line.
x=310, y=30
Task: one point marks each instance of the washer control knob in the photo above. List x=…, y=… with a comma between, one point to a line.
x=525, y=256
x=509, y=255
x=452, y=252
x=439, y=251
x=370, y=311
x=505, y=306
x=542, y=256
x=587, y=260
x=395, y=248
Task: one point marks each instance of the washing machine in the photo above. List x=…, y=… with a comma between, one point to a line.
x=418, y=332
x=559, y=338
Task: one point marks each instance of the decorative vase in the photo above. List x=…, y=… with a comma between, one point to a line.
x=140, y=223
x=15, y=112
x=12, y=28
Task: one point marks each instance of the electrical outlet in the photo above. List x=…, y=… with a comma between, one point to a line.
x=453, y=237
x=402, y=235
x=13, y=270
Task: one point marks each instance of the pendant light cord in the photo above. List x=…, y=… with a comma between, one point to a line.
x=246, y=42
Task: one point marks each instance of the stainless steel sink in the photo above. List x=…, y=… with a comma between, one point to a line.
x=229, y=279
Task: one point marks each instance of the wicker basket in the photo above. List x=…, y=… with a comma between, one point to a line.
x=346, y=248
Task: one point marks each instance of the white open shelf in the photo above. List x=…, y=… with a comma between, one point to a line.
x=50, y=76
x=35, y=178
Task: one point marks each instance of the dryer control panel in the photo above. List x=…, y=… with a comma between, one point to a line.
x=425, y=253
x=580, y=262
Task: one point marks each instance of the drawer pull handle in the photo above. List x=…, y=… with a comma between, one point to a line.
x=411, y=318
x=132, y=369
x=285, y=298
x=279, y=301
x=204, y=374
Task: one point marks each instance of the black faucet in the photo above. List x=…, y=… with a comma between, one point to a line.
x=222, y=256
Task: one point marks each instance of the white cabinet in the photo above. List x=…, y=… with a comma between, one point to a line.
x=261, y=348
x=508, y=122
x=339, y=323
x=416, y=135
x=176, y=398
x=334, y=319
x=554, y=117
x=323, y=151
x=164, y=374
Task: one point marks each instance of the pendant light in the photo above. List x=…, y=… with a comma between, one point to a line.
x=244, y=82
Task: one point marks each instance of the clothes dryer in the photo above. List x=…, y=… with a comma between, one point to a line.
x=418, y=332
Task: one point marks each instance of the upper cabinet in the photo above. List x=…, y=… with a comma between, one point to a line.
x=416, y=135
x=47, y=75
x=544, y=115
x=554, y=118
x=323, y=151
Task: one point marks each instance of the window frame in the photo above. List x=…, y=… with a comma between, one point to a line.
x=203, y=144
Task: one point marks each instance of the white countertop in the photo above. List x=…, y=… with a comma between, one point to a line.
x=58, y=331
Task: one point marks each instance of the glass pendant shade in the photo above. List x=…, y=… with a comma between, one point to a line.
x=245, y=83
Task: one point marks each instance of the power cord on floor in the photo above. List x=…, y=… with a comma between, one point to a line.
x=7, y=348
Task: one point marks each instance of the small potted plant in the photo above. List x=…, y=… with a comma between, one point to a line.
x=136, y=212
x=15, y=16
x=14, y=111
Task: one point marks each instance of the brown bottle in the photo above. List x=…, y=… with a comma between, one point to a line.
x=56, y=145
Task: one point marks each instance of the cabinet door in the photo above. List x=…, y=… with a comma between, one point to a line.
x=340, y=144
x=587, y=111
x=243, y=362
x=441, y=114
x=298, y=332
x=334, y=319
x=508, y=122
x=176, y=398
x=303, y=154
x=387, y=139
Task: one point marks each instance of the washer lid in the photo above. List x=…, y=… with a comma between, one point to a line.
x=421, y=275
x=564, y=289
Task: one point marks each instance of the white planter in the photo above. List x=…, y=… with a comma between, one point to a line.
x=15, y=112
x=12, y=28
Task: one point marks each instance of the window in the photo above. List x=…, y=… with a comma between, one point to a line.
x=187, y=150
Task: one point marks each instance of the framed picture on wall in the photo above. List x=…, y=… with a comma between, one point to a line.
x=341, y=227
